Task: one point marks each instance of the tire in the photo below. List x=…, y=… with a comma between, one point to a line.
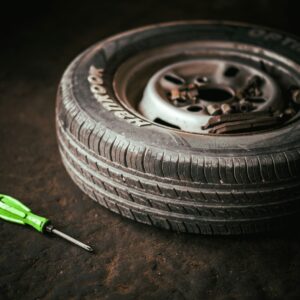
x=165, y=177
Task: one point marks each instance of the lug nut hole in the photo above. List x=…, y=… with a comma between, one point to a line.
x=231, y=72
x=194, y=108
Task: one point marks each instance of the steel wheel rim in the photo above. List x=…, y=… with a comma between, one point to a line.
x=140, y=95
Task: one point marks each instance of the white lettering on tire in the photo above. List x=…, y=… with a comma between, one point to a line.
x=99, y=92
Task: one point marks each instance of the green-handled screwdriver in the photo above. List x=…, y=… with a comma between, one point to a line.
x=13, y=210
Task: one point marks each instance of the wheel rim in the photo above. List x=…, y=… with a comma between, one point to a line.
x=148, y=84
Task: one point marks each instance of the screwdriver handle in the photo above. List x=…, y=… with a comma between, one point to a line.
x=14, y=211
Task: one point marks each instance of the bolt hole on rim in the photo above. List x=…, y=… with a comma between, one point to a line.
x=231, y=72
x=194, y=108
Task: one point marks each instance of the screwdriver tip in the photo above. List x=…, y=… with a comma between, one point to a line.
x=51, y=229
x=90, y=249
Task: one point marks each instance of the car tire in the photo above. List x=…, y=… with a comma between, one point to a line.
x=166, y=177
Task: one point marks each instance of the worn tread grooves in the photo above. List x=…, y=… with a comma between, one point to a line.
x=105, y=165
x=105, y=182
x=88, y=186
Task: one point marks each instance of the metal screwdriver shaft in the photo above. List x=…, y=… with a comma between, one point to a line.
x=51, y=229
x=12, y=210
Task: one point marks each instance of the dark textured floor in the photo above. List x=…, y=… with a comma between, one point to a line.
x=132, y=261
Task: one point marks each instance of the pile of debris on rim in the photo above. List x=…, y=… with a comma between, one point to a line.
x=236, y=115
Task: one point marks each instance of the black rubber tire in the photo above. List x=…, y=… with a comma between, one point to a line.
x=168, y=178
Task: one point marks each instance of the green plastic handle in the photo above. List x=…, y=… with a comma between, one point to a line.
x=14, y=211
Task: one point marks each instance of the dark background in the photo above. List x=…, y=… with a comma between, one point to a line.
x=132, y=261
